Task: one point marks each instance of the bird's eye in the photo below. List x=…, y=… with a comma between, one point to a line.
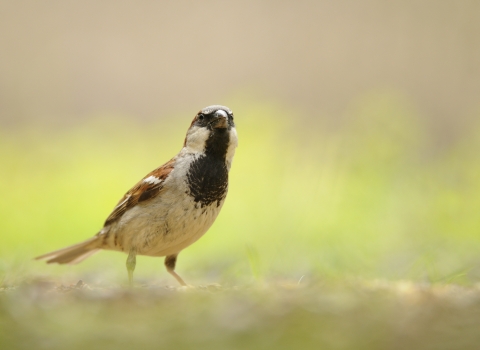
x=201, y=117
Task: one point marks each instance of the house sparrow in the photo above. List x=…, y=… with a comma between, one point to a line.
x=172, y=206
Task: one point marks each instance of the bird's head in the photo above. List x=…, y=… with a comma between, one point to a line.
x=213, y=133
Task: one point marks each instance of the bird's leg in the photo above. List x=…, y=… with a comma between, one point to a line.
x=131, y=262
x=170, y=261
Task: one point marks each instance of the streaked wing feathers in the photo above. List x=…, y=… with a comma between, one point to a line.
x=149, y=187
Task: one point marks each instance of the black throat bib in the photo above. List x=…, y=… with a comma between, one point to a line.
x=208, y=174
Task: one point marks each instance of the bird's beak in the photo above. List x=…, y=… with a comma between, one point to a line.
x=221, y=120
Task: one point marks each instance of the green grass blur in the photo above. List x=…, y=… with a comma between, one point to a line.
x=368, y=198
x=347, y=236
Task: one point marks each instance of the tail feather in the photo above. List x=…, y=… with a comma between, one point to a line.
x=73, y=254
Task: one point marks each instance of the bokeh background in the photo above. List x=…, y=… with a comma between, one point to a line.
x=352, y=220
x=358, y=120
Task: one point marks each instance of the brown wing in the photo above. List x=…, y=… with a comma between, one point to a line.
x=147, y=188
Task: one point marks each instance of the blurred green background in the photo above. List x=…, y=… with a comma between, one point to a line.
x=370, y=198
x=358, y=158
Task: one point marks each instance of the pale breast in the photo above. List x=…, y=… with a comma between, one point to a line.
x=185, y=209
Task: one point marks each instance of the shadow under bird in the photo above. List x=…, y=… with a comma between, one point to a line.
x=172, y=206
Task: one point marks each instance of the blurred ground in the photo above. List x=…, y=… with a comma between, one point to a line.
x=351, y=314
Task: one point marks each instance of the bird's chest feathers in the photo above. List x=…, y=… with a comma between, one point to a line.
x=207, y=180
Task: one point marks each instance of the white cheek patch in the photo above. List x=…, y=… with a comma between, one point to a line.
x=196, y=139
x=232, y=144
x=152, y=180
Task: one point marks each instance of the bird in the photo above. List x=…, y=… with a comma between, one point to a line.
x=172, y=206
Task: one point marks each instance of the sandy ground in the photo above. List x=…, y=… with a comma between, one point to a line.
x=348, y=314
